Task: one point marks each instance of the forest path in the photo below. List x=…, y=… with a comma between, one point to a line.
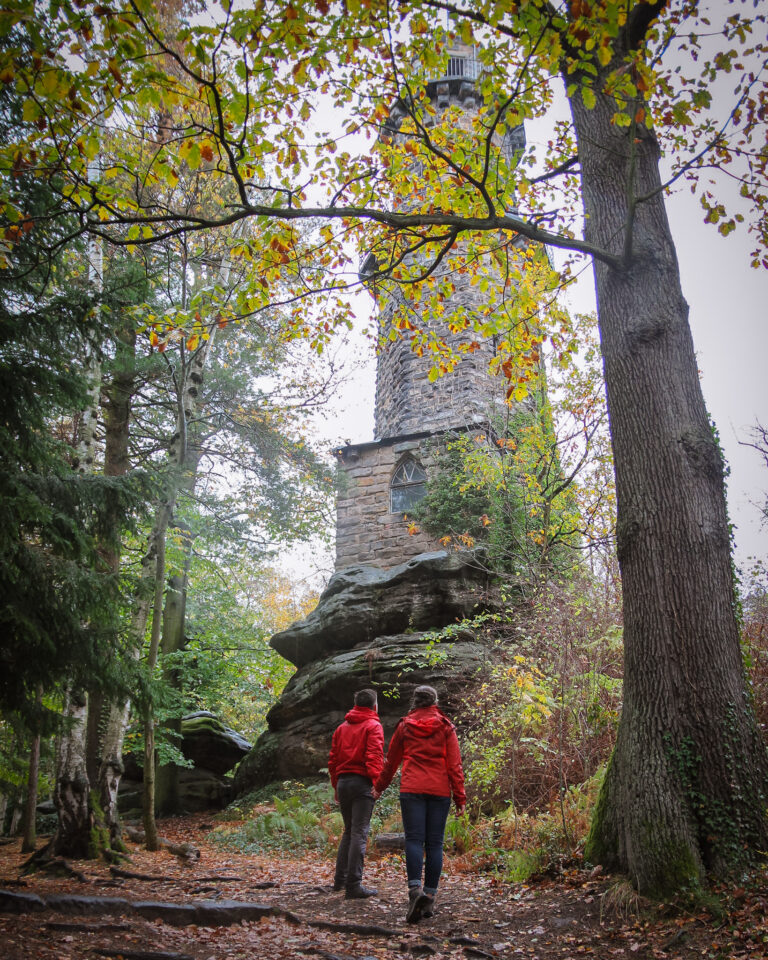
x=476, y=916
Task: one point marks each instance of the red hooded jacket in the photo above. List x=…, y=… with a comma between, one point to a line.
x=357, y=745
x=425, y=740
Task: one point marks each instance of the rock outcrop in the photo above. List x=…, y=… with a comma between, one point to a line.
x=213, y=747
x=211, y=744
x=371, y=628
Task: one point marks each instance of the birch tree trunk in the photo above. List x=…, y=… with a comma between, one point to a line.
x=686, y=788
x=73, y=833
x=185, y=453
x=161, y=529
x=173, y=639
x=73, y=785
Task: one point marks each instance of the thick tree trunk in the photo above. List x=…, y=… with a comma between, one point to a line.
x=686, y=789
x=73, y=834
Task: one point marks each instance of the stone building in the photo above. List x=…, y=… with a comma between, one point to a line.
x=381, y=480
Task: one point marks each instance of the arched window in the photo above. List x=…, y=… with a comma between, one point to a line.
x=409, y=484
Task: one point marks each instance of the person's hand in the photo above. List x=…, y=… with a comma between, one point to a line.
x=336, y=794
x=376, y=793
x=460, y=808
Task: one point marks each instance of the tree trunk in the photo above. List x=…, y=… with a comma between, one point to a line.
x=174, y=618
x=174, y=635
x=116, y=464
x=685, y=792
x=111, y=771
x=148, y=797
x=72, y=794
x=73, y=833
x=30, y=805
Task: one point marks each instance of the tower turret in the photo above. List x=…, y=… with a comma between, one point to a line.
x=414, y=407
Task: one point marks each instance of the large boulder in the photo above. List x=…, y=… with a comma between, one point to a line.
x=198, y=790
x=372, y=628
x=318, y=695
x=363, y=602
x=211, y=744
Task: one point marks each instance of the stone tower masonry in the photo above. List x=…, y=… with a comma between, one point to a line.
x=381, y=479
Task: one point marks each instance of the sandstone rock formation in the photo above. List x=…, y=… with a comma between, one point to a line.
x=211, y=744
x=371, y=628
x=213, y=747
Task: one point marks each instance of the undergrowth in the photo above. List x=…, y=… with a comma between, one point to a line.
x=303, y=819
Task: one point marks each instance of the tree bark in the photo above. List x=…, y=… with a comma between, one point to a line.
x=685, y=792
x=148, y=797
x=30, y=804
x=73, y=833
x=116, y=463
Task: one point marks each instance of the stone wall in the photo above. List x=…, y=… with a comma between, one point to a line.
x=407, y=401
x=366, y=530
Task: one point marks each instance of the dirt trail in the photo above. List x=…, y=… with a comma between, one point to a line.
x=477, y=916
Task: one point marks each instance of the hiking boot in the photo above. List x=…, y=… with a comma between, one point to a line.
x=417, y=906
x=339, y=885
x=359, y=893
x=428, y=910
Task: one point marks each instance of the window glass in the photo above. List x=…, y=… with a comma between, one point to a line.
x=409, y=485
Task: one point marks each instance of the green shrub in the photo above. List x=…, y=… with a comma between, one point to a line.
x=303, y=818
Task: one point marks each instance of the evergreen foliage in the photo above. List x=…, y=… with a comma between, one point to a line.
x=58, y=606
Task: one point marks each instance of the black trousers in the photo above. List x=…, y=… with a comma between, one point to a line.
x=355, y=794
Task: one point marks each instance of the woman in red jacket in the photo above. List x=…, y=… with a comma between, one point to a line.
x=425, y=741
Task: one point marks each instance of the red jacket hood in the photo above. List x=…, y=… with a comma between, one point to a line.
x=424, y=721
x=361, y=714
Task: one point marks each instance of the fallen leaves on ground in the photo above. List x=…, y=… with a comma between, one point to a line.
x=575, y=915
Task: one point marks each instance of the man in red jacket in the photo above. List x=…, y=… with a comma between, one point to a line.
x=355, y=761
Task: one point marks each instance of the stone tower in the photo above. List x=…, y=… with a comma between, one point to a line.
x=381, y=480
x=374, y=623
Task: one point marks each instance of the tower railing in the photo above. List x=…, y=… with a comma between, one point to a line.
x=460, y=68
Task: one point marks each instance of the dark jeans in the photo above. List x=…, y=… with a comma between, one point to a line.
x=424, y=818
x=356, y=801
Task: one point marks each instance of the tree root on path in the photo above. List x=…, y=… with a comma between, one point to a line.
x=217, y=913
x=141, y=954
x=325, y=954
x=59, y=868
x=186, y=852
